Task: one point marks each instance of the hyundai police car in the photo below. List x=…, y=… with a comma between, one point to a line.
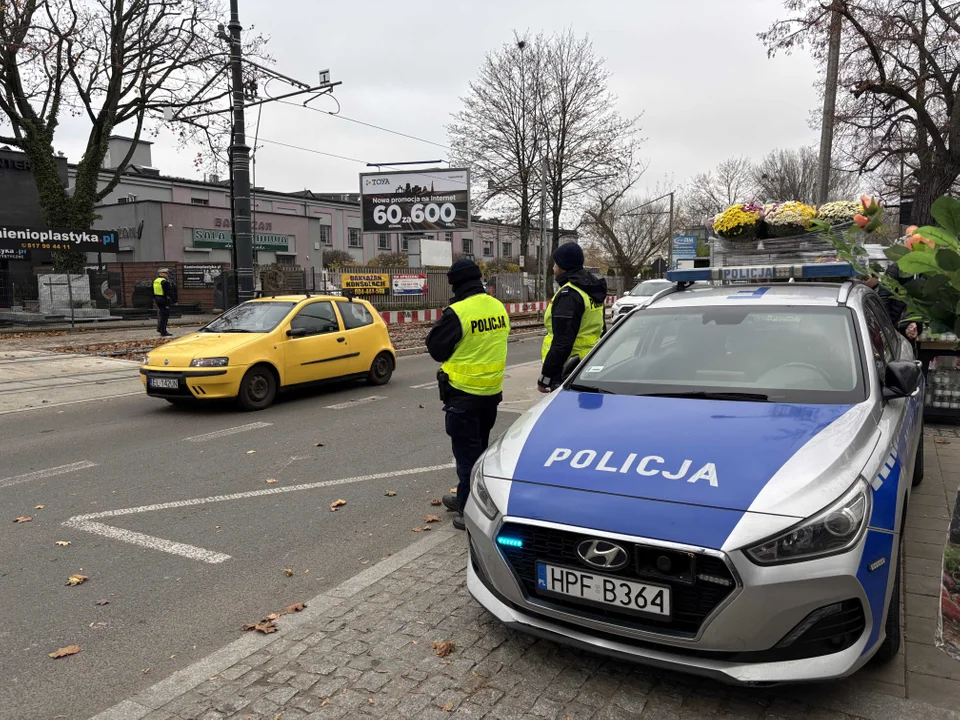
x=719, y=487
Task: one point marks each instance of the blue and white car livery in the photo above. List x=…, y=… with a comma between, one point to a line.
x=719, y=487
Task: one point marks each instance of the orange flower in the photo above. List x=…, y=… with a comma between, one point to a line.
x=911, y=230
x=917, y=240
x=866, y=201
x=861, y=220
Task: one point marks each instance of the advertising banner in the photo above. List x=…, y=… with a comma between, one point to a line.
x=221, y=240
x=200, y=276
x=409, y=284
x=416, y=201
x=40, y=238
x=11, y=254
x=366, y=283
x=684, y=248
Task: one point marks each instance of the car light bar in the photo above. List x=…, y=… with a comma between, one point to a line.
x=805, y=271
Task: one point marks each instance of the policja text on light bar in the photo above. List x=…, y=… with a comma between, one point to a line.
x=806, y=271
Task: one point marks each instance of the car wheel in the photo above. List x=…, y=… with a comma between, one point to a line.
x=891, y=643
x=918, y=465
x=381, y=370
x=257, y=389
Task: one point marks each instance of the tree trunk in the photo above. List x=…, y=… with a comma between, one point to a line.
x=931, y=186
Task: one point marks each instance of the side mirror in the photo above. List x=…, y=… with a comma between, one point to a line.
x=902, y=379
x=296, y=332
x=569, y=366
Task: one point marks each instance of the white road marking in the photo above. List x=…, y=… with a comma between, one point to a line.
x=424, y=385
x=351, y=403
x=49, y=472
x=83, y=522
x=148, y=541
x=228, y=431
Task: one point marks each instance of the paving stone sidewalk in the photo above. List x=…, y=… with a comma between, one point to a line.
x=365, y=650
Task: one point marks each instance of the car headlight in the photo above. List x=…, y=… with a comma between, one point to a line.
x=832, y=531
x=146, y=360
x=479, y=492
x=209, y=362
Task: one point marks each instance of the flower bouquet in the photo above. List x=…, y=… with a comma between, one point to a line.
x=788, y=218
x=836, y=213
x=738, y=222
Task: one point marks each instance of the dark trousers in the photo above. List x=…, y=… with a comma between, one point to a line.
x=468, y=424
x=163, y=314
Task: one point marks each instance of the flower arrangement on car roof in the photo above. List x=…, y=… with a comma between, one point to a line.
x=839, y=212
x=738, y=221
x=788, y=218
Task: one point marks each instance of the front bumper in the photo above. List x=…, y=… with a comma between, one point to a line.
x=736, y=642
x=201, y=383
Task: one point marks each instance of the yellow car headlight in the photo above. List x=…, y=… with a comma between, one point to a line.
x=209, y=362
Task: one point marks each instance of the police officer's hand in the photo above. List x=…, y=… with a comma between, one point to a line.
x=911, y=331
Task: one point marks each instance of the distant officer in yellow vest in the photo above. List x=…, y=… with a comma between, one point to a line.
x=164, y=295
x=470, y=339
x=574, y=318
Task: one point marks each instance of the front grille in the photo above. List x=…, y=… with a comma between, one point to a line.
x=693, y=598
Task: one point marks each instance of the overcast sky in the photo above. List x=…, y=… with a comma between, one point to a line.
x=693, y=68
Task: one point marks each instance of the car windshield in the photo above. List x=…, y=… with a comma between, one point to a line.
x=773, y=354
x=647, y=288
x=251, y=317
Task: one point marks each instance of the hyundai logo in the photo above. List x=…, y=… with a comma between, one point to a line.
x=602, y=554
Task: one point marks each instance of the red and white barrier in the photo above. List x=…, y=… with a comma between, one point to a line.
x=398, y=317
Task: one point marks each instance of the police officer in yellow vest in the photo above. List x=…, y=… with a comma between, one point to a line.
x=574, y=318
x=470, y=339
x=164, y=295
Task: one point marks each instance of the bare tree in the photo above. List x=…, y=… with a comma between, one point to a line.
x=585, y=138
x=629, y=231
x=497, y=134
x=794, y=174
x=900, y=61
x=708, y=193
x=112, y=63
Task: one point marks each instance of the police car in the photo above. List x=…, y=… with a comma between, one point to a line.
x=719, y=487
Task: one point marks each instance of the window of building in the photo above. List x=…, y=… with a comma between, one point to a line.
x=317, y=318
x=404, y=243
x=354, y=315
x=199, y=201
x=448, y=237
x=507, y=249
x=487, y=248
x=286, y=259
x=326, y=236
x=354, y=238
x=383, y=241
x=466, y=246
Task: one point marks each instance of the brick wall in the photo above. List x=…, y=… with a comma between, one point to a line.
x=133, y=272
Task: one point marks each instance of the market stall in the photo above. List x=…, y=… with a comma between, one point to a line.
x=938, y=354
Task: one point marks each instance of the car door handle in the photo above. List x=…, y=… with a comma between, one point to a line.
x=341, y=339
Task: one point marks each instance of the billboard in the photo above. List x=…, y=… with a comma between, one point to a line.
x=415, y=201
x=684, y=248
x=410, y=284
x=199, y=276
x=42, y=238
x=366, y=283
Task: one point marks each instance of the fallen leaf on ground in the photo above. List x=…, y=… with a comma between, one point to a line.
x=337, y=504
x=941, y=441
x=432, y=519
x=436, y=503
x=65, y=651
x=453, y=491
x=23, y=519
x=425, y=527
x=447, y=707
x=38, y=507
x=274, y=616
x=364, y=562
x=77, y=579
x=296, y=607
x=63, y=543
x=59, y=412
x=319, y=445
x=98, y=624
x=390, y=493
x=264, y=626
x=416, y=529
x=271, y=481
x=442, y=648
x=421, y=407
x=251, y=452
x=326, y=701
x=288, y=572
x=145, y=671
x=103, y=602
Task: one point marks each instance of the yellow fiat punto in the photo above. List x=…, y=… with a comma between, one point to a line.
x=269, y=344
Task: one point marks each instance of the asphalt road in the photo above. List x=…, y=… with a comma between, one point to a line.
x=173, y=596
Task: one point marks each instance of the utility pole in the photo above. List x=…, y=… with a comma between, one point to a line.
x=829, y=107
x=240, y=165
x=544, y=266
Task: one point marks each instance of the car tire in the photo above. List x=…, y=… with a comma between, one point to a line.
x=381, y=369
x=891, y=643
x=258, y=389
x=918, y=465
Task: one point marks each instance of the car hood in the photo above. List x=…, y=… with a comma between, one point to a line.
x=180, y=351
x=783, y=459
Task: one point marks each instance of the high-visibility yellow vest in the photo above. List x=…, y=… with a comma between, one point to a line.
x=591, y=325
x=158, y=287
x=478, y=361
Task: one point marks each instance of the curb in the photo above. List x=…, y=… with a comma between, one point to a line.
x=153, y=698
x=512, y=339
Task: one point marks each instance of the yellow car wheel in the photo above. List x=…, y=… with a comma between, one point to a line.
x=258, y=388
x=381, y=370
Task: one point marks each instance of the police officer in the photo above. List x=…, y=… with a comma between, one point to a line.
x=574, y=318
x=164, y=295
x=470, y=339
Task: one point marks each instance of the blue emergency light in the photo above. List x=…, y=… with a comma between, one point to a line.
x=509, y=541
x=804, y=271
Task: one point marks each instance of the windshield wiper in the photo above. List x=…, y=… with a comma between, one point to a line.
x=701, y=395
x=235, y=330
x=589, y=388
